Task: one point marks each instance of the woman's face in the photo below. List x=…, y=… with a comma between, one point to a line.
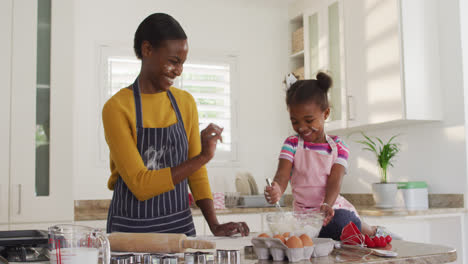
x=308, y=120
x=164, y=63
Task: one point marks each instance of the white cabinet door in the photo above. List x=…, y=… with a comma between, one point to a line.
x=392, y=61
x=373, y=61
x=254, y=221
x=25, y=205
x=5, y=75
x=37, y=226
x=199, y=222
x=436, y=229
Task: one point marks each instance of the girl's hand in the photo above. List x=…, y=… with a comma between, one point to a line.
x=273, y=193
x=328, y=211
x=209, y=139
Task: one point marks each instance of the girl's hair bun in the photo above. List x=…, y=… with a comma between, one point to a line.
x=324, y=81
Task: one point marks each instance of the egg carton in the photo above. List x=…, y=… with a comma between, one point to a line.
x=265, y=248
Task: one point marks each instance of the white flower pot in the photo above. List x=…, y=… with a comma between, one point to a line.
x=385, y=194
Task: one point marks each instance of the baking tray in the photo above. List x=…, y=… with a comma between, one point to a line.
x=23, y=238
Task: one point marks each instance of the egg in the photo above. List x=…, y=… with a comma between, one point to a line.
x=280, y=237
x=294, y=242
x=306, y=240
x=286, y=234
x=263, y=235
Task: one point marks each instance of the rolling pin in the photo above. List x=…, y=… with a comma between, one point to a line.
x=155, y=243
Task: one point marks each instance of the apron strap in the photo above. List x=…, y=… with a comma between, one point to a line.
x=175, y=106
x=138, y=109
x=333, y=146
x=138, y=105
x=300, y=144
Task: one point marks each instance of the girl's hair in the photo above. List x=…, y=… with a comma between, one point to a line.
x=155, y=29
x=304, y=91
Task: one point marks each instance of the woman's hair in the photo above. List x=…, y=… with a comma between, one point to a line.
x=155, y=29
x=316, y=91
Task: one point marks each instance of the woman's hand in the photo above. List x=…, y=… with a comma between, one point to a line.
x=328, y=211
x=230, y=229
x=273, y=193
x=209, y=138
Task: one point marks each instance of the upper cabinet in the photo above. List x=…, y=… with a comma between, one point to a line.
x=382, y=55
x=41, y=117
x=317, y=45
x=392, y=61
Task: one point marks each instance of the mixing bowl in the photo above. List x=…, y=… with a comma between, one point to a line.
x=297, y=223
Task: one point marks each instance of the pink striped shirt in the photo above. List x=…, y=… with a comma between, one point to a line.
x=290, y=145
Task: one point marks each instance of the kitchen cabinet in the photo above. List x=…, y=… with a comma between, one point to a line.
x=4, y=199
x=382, y=55
x=322, y=26
x=199, y=222
x=254, y=221
x=5, y=73
x=432, y=229
x=41, y=72
x=37, y=226
x=392, y=61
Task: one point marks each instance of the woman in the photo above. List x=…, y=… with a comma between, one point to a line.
x=152, y=132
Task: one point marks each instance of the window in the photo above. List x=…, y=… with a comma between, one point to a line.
x=210, y=83
x=210, y=86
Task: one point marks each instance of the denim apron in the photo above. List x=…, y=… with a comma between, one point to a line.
x=159, y=148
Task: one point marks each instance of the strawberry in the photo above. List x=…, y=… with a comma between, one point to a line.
x=382, y=241
x=388, y=238
x=369, y=242
x=376, y=241
x=367, y=239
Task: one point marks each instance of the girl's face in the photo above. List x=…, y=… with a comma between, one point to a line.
x=308, y=120
x=165, y=62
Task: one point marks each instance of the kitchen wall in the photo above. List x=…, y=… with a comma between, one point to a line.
x=432, y=152
x=464, y=44
x=254, y=30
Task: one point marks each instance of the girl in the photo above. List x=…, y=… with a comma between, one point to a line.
x=315, y=162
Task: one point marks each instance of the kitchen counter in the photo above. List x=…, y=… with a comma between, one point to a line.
x=98, y=209
x=408, y=252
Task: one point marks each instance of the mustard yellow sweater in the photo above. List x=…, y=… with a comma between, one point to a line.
x=119, y=121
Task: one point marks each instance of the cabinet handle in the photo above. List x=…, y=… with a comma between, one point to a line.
x=351, y=108
x=19, y=199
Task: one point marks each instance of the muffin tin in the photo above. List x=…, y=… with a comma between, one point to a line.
x=266, y=248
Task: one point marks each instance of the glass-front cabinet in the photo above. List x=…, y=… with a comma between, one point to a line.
x=40, y=148
x=322, y=26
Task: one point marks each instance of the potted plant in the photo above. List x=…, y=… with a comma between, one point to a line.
x=384, y=192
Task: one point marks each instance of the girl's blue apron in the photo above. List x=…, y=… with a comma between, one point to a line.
x=159, y=148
